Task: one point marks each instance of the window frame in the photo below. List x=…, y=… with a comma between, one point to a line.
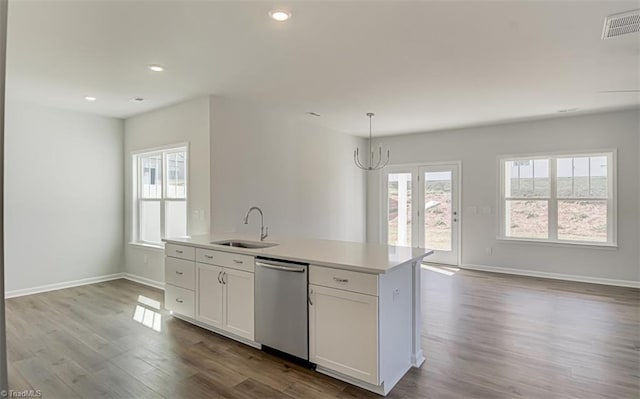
x=553, y=199
x=137, y=187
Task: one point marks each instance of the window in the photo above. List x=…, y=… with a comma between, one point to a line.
x=560, y=198
x=160, y=188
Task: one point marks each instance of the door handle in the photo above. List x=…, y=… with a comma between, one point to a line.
x=224, y=275
x=283, y=268
x=219, y=273
x=309, y=297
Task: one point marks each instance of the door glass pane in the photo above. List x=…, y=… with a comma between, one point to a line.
x=437, y=210
x=176, y=218
x=150, y=221
x=151, y=176
x=176, y=168
x=527, y=219
x=580, y=220
x=399, y=205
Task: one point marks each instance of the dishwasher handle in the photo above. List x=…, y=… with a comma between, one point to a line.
x=281, y=267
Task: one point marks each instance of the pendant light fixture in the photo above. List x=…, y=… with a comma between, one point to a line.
x=379, y=164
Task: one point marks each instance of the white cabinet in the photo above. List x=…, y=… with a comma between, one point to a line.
x=238, y=294
x=210, y=294
x=179, y=275
x=225, y=299
x=178, y=300
x=343, y=332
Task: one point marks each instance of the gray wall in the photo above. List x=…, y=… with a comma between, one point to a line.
x=3, y=52
x=63, y=199
x=300, y=174
x=478, y=149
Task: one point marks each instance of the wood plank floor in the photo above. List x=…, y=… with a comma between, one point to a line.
x=485, y=336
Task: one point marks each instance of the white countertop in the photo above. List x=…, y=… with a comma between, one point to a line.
x=356, y=256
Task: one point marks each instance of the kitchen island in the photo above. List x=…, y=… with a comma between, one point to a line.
x=364, y=316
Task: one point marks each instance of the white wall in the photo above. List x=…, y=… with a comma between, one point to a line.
x=300, y=174
x=478, y=149
x=63, y=196
x=184, y=122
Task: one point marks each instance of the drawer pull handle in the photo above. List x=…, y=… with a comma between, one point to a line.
x=340, y=280
x=179, y=251
x=238, y=261
x=209, y=256
x=179, y=300
x=179, y=273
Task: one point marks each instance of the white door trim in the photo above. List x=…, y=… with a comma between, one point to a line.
x=414, y=169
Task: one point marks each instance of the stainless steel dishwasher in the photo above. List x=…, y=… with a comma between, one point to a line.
x=281, y=312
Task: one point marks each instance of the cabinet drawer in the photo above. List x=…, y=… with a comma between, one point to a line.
x=180, y=272
x=225, y=259
x=180, y=251
x=362, y=283
x=179, y=300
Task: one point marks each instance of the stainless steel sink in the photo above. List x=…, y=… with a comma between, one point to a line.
x=245, y=244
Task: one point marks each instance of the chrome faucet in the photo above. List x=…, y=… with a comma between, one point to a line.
x=264, y=232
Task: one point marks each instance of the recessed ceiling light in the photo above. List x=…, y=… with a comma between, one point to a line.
x=280, y=15
x=156, y=68
x=90, y=98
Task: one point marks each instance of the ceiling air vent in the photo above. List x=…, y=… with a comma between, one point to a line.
x=620, y=24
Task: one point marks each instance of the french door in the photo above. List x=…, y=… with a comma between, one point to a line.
x=422, y=209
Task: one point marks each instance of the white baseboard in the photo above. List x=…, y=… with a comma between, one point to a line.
x=555, y=276
x=144, y=281
x=60, y=286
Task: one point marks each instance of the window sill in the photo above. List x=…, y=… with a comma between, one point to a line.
x=159, y=247
x=566, y=244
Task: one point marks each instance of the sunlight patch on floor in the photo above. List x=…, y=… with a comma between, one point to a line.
x=148, y=317
x=442, y=269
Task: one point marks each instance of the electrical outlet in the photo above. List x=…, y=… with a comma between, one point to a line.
x=396, y=294
x=146, y=260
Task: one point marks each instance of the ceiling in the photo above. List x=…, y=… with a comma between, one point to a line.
x=420, y=66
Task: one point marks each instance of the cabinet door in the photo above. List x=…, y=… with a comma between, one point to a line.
x=343, y=332
x=238, y=311
x=179, y=300
x=209, y=301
